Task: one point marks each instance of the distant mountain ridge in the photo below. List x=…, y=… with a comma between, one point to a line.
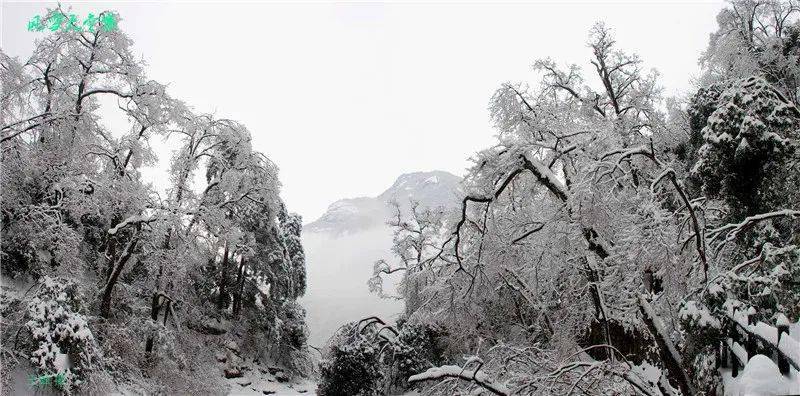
x=350, y=215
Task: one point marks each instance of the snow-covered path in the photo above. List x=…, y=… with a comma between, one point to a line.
x=263, y=385
x=267, y=380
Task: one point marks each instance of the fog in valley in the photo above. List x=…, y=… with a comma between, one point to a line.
x=338, y=269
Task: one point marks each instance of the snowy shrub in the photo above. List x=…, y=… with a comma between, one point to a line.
x=766, y=289
x=351, y=365
x=700, y=108
x=292, y=327
x=702, y=332
x=121, y=346
x=371, y=358
x=416, y=348
x=290, y=338
x=64, y=343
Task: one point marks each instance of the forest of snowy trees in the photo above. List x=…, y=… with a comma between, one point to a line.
x=612, y=241
x=107, y=282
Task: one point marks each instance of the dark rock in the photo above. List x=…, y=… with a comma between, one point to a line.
x=245, y=383
x=268, y=392
x=281, y=376
x=232, y=372
x=273, y=370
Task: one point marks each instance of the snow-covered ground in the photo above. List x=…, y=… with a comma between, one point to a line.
x=245, y=376
x=260, y=381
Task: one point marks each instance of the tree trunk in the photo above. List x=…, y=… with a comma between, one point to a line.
x=237, y=297
x=105, y=302
x=154, y=309
x=223, y=281
x=154, y=306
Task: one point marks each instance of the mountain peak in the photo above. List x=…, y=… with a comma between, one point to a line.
x=416, y=182
x=431, y=189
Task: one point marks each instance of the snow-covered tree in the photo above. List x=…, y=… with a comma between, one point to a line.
x=611, y=222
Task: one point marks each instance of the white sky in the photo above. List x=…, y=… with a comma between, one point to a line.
x=346, y=97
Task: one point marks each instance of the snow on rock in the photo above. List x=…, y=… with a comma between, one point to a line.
x=232, y=372
x=246, y=376
x=258, y=382
x=207, y=325
x=232, y=345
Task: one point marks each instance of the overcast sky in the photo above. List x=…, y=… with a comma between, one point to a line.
x=346, y=97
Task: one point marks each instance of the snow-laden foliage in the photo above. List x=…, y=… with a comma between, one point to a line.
x=64, y=343
x=748, y=141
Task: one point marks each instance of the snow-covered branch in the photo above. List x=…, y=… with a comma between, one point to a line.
x=669, y=353
x=450, y=371
x=731, y=231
